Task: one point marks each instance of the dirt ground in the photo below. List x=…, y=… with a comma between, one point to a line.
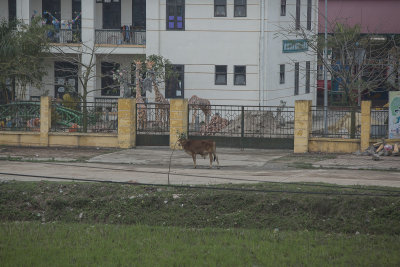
x=54, y=152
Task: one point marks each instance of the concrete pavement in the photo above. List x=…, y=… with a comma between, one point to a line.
x=151, y=165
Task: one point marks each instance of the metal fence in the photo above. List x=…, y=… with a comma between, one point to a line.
x=152, y=118
x=241, y=121
x=65, y=36
x=342, y=122
x=379, y=122
x=20, y=116
x=121, y=37
x=84, y=117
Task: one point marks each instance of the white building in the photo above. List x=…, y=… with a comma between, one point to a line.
x=229, y=51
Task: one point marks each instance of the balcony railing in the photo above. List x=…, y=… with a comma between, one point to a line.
x=121, y=37
x=65, y=36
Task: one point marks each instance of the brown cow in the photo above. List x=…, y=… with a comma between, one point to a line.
x=201, y=147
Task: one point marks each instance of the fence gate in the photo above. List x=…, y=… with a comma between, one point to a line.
x=243, y=126
x=152, y=124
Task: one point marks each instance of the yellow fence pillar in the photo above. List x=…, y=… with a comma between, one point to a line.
x=365, y=124
x=126, y=122
x=178, y=120
x=302, y=125
x=45, y=120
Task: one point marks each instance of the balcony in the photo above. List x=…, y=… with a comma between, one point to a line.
x=120, y=37
x=65, y=36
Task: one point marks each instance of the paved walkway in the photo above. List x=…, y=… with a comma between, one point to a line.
x=151, y=165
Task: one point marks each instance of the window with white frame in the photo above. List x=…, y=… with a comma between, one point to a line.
x=298, y=4
x=296, y=78
x=308, y=76
x=239, y=77
x=240, y=8
x=176, y=15
x=282, y=73
x=174, y=86
x=283, y=7
x=219, y=8
x=221, y=74
x=309, y=10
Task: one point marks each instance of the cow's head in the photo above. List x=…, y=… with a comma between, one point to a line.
x=182, y=137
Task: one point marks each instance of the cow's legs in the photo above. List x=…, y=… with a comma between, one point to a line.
x=194, y=159
x=216, y=157
x=211, y=159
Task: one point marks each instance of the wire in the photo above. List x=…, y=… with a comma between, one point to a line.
x=202, y=187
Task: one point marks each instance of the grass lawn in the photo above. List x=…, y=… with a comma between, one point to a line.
x=82, y=224
x=60, y=244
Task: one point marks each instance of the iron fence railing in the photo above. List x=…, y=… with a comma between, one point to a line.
x=121, y=37
x=65, y=36
x=105, y=100
x=241, y=121
x=84, y=117
x=152, y=118
x=342, y=122
x=20, y=116
x=379, y=122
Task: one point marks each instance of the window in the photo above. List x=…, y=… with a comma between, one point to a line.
x=308, y=72
x=176, y=15
x=221, y=74
x=219, y=8
x=175, y=83
x=283, y=7
x=282, y=74
x=239, y=75
x=240, y=8
x=53, y=7
x=298, y=3
x=139, y=14
x=309, y=6
x=296, y=78
x=12, y=10
x=65, y=78
x=109, y=87
x=111, y=15
x=76, y=10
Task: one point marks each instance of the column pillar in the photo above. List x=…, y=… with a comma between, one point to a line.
x=23, y=11
x=178, y=121
x=88, y=45
x=302, y=125
x=365, y=124
x=45, y=120
x=126, y=122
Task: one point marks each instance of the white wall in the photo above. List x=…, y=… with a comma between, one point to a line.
x=4, y=9
x=208, y=41
x=277, y=31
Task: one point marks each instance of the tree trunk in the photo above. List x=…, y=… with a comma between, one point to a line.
x=85, y=114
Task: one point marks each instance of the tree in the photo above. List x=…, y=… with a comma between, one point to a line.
x=22, y=50
x=359, y=63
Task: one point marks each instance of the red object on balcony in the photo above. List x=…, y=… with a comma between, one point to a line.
x=320, y=85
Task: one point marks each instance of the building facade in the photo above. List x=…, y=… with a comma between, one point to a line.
x=234, y=52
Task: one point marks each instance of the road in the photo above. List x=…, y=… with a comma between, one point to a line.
x=151, y=165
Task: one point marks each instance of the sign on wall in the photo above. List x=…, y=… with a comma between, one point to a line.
x=394, y=115
x=294, y=46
